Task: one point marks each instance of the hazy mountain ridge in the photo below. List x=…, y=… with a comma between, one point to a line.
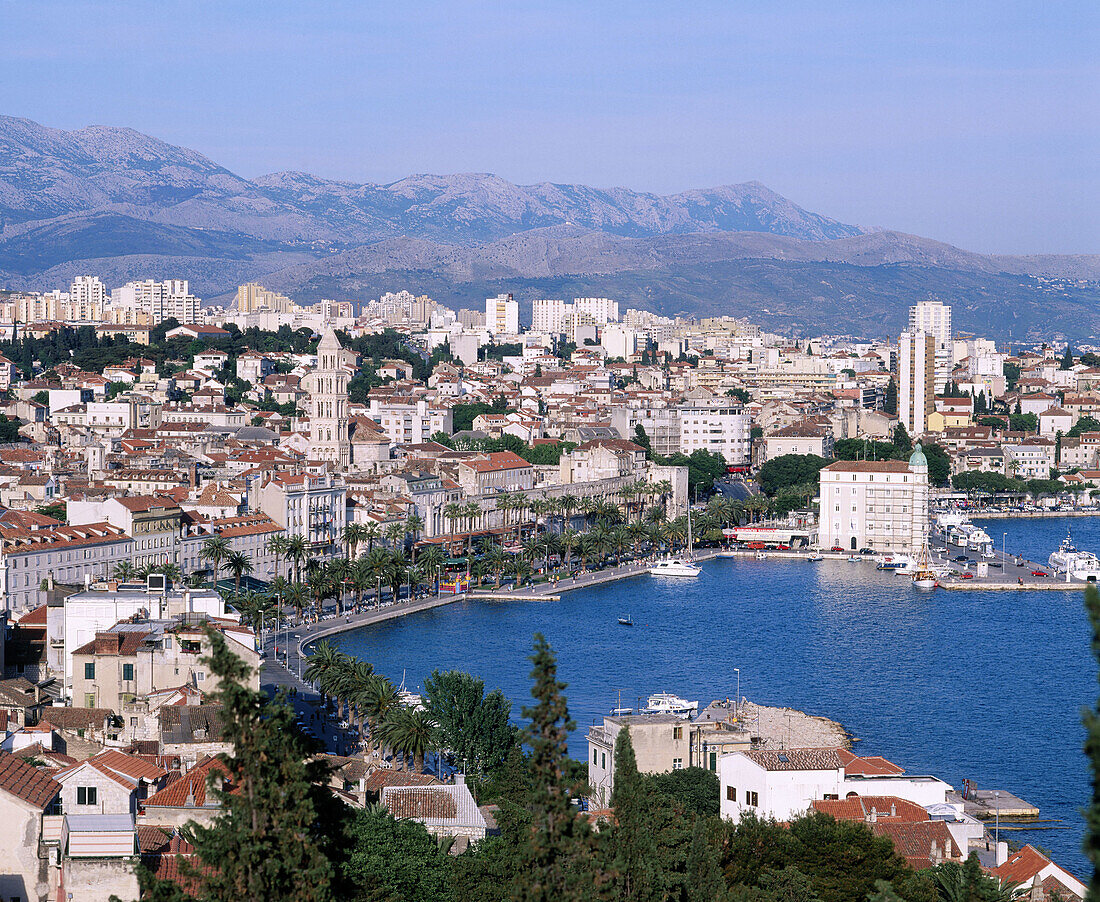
x=124, y=205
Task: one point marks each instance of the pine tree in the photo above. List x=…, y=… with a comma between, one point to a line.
x=1092, y=751
x=1067, y=359
x=634, y=856
x=890, y=403
x=901, y=440
x=271, y=840
x=556, y=861
x=703, y=881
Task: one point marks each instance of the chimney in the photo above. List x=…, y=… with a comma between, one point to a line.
x=873, y=816
x=893, y=810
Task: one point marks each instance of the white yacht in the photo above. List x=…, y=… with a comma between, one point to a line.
x=1078, y=564
x=667, y=703
x=674, y=567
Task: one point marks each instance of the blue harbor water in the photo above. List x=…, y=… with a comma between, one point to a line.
x=981, y=685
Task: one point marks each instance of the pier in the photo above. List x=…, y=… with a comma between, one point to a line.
x=990, y=804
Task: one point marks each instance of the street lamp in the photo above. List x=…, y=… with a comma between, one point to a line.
x=737, y=701
x=1004, y=535
x=997, y=802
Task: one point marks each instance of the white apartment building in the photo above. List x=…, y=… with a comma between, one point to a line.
x=550, y=316
x=412, y=422
x=87, y=299
x=601, y=310
x=314, y=507
x=916, y=380
x=619, y=341
x=878, y=504
x=934, y=318
x=1031, y=459
x=782, y=783
x=718, y=426
x=502, y=315
x=151, y=302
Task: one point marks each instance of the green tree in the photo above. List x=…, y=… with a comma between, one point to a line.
x=388, y=860
x=703, y=879
x=1085, y=424
x=274, y=836
x=552, y=860
x=1067, y=359
x=901, y=440
x=473, y=726
x=633, y=861
x=641, y=438
x=890, y=401
x=789, y=470
x=696, y=788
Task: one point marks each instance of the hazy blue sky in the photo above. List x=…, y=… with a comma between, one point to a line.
x=975, y=123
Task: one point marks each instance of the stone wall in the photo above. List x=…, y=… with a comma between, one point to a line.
x=97, y=879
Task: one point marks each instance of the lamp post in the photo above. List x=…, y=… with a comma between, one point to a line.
x=997, y=802
x=737, y=701
x=1004, y=556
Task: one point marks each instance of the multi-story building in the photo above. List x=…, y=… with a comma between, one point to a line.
x=934, y=318
x=140, y=656
x=601, y=310
x=154, y=523
x=252, y=297
x=151, y=302
x=313, y=507
x=87, y=299
x=502, y=315
x=916, y=380
x=717, y=425
x=877, y=504
x=660, y=424
x=1030, y=459
x=409, y=422
x=550, y=316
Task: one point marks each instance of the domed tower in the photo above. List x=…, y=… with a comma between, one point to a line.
x=328, y=395
x=918, y=466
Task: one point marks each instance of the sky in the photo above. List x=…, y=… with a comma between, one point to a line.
x=975, y=123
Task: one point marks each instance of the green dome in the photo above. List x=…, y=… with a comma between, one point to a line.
x=917, y=458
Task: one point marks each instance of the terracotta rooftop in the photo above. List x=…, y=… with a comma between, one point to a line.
x=384, y=776
x=796, y=759
x=190, y=790
x=869, y=466
x=27, y=782
x=860, y=808
x=922, y=844
x=421, y=803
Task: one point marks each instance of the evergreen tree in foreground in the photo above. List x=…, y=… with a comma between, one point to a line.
x=1092, y=751
x=634, y=858
x=278, y=820
x=557, y=857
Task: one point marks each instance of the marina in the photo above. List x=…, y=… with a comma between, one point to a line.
x=938, y=682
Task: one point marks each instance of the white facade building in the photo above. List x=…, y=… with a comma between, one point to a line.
x=718, y=426
x=502, y=315
x=550, y=316
x=601, y=310
x=916, y=380
x=934, y=318
x=878, y=504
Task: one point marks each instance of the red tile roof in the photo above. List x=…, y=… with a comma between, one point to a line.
x=915, y=841
x=27, y=782
x=872, y=766
x=190, y=790
x=885, y=808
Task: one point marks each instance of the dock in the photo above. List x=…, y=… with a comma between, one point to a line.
x=510, y=596
x=989, y=804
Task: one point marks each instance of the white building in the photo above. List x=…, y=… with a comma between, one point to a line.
x=502, y=315
x=550, y=316
x=934, y=318
x=619, y=341
x=878, y=504
x=87, y=299
x=410, y=423
x=916, y=380
x=716, y=425
x=783, y=783
x=601, y=310
x=151, y=302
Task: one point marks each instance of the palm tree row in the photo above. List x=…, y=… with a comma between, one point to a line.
x=372, y=705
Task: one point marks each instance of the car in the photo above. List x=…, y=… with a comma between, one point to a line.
x=837, y=549
x=966, y=575
x=1039, y=573
x=961, y=559
x=866, y=550
x=1021, y=563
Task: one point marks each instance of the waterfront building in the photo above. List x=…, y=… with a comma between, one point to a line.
x=877, y=504
x=784, y=783
x=715, y=425
x=916, y=378
x=314, y=507
x=328, y=394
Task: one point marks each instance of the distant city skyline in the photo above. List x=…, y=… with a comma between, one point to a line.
x=975, y=124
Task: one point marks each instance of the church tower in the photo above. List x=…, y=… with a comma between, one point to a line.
x=328, y=395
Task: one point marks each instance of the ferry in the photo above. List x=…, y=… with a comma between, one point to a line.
x=955, y=528
x=667, y=703
x=895, y=562
x=1078, y=564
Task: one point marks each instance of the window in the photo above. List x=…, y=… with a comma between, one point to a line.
x=677, y=732
x=751, y=798
x=593, y=757
x=89, y=670
x=85, y=795
x=89, y=702
x=603, y=760
x=731, y=794
x=677, y=763
x=127, y=671
x=714, y=761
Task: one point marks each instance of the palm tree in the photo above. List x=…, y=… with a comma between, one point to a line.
x=215, y=550
x=395, y=574
x=296, y=596
x=409, y=732
x=377, y=701
x=497, y=560
x=238, y=563
x=339, y=570
x=395, y=535
x=431, y=558
x=453, y=512
x=377, y=563
x=276, y=546
x=124, y=571
x=297, y=550
x=414, y=525
x=472, y=511
x=569, y=540
x=415, y=575
x=360, y=579
x=568, y=505
x=354, y=534
x=372, y=532
x=320, y=587
x=324, y=657
x=505, y=503
x=359, y=676
x=168, y=569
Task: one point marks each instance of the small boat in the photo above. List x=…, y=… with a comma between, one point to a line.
x=853, y=559
x=761, y=556
x=924, y=577
x=626, y=621
x=674, y=567
x=667, y=703
x=895, y=562
x=815, y=556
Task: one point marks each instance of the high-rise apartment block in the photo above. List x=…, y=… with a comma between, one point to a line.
x=916, y=380
x=252, y=297
x=502, y=315
x=934, y=318
x=550, y=316
x=149, y=303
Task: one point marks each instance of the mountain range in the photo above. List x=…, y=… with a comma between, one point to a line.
x=123, y=205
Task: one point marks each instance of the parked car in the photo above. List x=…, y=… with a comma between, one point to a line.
x=866, y=550
x=837, y=549
x=967, y=575
x=1039, y=573
x=961, y=559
